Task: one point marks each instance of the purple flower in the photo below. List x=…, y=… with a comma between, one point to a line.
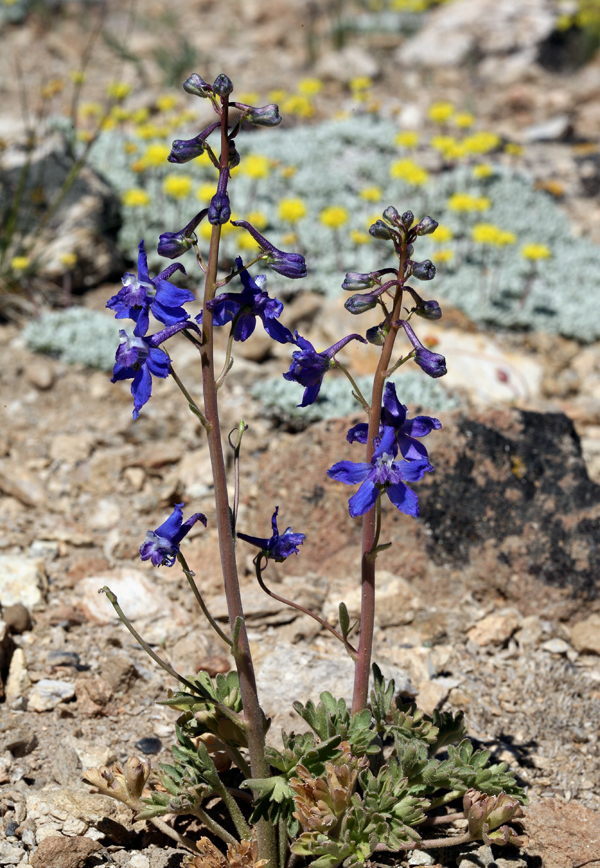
x=174, y=244
x=161, y=546
x=197, y=86
x=262, y=116
x=219, y=210
x=309, y=367
x=433, y=364
x=382, y=473
x=393, y=415
x=245, y=306
x=142, y=294
x=423, y=270
x=279, y=547
x=139, y=358
x=291, y=265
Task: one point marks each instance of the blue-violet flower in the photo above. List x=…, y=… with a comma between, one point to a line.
x=174, y=244
x=219, y=210
x=394, y=415
x=161, y=546
x=139, y=358
x=381, y=474
x=280, y=546
x=291, y=265
x=309, y=367
x=142, y=294
x=245, y=306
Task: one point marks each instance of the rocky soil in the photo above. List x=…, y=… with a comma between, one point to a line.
x=489, y=628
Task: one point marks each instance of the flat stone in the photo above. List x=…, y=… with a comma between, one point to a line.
x=562, y=834
x=20, y=484
x=48, y=693
x=60, y=852
x=72, y=811
x=40, y=374
x=138, y=596
x=585, y=635
x=22, y=580
x=11, y=854
x=106, y=514
x=495, y=629
x=71, y=448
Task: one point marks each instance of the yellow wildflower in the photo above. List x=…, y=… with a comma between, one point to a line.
x=20, y=263
x=505, y=236
x=177, y=186
x=108, y=124
x=464, y=120
x=130, y=148
x=484, y=170
x=443, y=256
x=68, y=259
x=246, y=242
x=256, y=166
x=291, y=210
x=358, y=237
x=118, y=90
x=166, y=102
x=442, y=234
x=440, y=112
x=90, y=110
x=205, y=192
x=310, y=86
x=513, y=149
x=140, y=116
x=487, y=233
x=465, y=202
x=277, y=95
x=299, y=105
x=135, y=198
x=334, y=216
x=155, y=155
x=410, y=172
x=407, y=139
x=371, y=194
x=77, y=76
x=52, y=88
x=250, y=97
x=360, y=83
x=481, y=142
x=535, y=251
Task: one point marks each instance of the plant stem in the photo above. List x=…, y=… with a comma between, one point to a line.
x=252, y=712
x=214, y=827
x=367, y=607
x=190, y=577
x=172, y=833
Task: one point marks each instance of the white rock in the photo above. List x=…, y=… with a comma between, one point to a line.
x=454, y=31
x=585, y=635
x=139, y=860
x=18, y=681
x=106, y=514
x=71, y=448
x=47, y=694
x=495, y=629
x=11, y=854
x=290, y=673
x=556, y=646
x=91, y=753
x=22, y=580
x=138, y=596
x=71, y=811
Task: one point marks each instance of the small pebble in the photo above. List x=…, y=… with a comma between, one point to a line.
x=149, y=745
x=17, y=617
x=11, y=829
x=62, y=658
x=556, y=646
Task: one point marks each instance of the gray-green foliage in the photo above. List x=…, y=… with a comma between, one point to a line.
x=76, y=334
x=334, y=161
x=280, y=397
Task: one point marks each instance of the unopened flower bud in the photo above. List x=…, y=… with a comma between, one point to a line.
x=408, y=218
x=136, y=775
x=184, y=150
x=197, y=86
x=223, y=85
x=262, y=116
x=292, y=265
x=377, y=334
x=426, y=226
x=219, y=211
x=391, y=215
x=433, y=364
x=426, y=309
x=356, y=281
x=423, y=270
x=410, y=249
x=174, y=244
x=357, y=304
x=380, y=230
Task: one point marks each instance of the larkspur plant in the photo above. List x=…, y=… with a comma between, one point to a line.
x=364, y=779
